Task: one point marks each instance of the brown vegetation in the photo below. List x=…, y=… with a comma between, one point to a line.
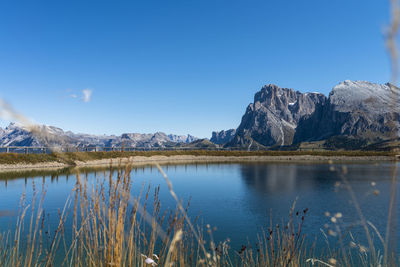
x=70, y=157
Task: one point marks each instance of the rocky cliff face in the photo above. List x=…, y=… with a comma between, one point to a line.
x=223, y=137
x=357, y=109
x=273, y=116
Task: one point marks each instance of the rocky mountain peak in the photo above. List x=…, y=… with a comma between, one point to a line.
x=274, y=115
x=274, y=95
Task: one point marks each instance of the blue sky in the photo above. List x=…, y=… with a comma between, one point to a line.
x=179, y=66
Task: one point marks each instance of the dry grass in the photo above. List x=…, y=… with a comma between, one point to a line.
x=71, y=157
x=111, y=228
x=14, y=158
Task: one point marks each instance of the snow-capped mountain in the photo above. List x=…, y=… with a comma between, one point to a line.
x=182, y=138
x=354, y=108
x=43, y=135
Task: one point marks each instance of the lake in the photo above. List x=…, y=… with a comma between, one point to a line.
x=239, y=199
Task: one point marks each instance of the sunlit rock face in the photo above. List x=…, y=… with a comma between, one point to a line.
x=273, y=117
x=354, y=108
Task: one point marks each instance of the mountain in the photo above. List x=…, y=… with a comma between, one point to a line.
x=355, y=115
x=223, y=137
x=273, y=117
x=200, y=144
x=42, y=135
x=158, y=139
x=356, y=109
x=16, y=135
x=182, y=138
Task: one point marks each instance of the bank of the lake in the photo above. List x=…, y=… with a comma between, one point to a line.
x=15, y=162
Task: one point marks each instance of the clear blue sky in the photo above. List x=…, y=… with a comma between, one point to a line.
x=179, y=66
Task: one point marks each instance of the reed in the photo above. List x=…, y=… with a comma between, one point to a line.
x=102, y=224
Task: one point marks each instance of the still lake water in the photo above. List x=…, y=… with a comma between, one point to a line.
x=239, y=199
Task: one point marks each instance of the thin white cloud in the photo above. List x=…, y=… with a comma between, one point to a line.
x=87, y=95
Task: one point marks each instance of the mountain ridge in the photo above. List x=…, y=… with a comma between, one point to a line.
x=44, y=135
x=277, y=117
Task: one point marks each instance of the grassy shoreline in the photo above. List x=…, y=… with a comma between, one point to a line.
x=25, y=162
x=72, y=157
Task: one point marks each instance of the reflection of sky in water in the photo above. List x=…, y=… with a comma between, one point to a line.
x=239, y=199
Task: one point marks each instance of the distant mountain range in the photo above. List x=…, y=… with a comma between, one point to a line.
x=355, y=115
x=42, y=135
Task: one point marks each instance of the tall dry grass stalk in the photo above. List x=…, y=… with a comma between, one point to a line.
x=102, y=225
x=390, y=244
x=372, y=256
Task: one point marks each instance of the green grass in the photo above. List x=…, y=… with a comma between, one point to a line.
x=71, y=157
x=13, y=158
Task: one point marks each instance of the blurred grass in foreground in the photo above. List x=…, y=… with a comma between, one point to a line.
x=102, y=224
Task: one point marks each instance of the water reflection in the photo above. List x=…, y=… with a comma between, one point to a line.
x=237, y=198
x=318, y=187
x=269, y=178
x=289, y=178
